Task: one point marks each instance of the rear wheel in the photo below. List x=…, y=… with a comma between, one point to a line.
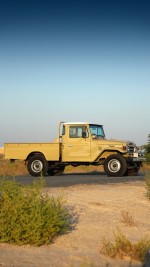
x=115, y=165
x=37, y=165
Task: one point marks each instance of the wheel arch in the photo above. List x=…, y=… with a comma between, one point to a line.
x=35, y=153
x=105, y=153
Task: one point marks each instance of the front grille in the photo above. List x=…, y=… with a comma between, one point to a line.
x=131, y=147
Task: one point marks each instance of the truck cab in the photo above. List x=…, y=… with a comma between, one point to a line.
x=79, y=141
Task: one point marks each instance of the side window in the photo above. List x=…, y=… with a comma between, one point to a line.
x=93, y=130
x=73, y=132
x=78, y=132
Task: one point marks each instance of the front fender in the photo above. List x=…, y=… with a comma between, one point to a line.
x=104, y=154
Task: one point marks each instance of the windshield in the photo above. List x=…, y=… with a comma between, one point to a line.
x=97, y=130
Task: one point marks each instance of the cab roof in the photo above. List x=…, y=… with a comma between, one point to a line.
x=78, y=123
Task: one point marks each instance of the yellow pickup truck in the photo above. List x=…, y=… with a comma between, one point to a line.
x=78, y=143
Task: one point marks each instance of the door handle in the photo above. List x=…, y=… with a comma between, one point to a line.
x=70, y=145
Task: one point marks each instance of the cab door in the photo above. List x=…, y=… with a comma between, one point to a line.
x=76, y=144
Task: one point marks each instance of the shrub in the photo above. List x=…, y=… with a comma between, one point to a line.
x=8, y=168
x=123, y=247
x=147, y=156
x=147, y=179
x=29, y=217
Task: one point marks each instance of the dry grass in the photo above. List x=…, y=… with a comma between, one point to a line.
x=127, y=219
x=18, y=168
x=146, y=167
x=12, y=169
x=123, y=248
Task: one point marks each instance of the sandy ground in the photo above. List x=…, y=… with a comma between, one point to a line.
x=97, y=203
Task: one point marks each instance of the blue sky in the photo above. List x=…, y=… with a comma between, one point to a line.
x=74, y=61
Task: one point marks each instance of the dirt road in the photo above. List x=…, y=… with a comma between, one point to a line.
x=98, y=203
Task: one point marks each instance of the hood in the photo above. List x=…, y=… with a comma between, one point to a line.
x=125, y=142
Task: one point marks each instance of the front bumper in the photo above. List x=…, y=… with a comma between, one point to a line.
x=135, y=159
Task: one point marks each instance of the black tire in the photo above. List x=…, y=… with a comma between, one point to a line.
x=115, y=165
x=37, y=165
x=56, y=171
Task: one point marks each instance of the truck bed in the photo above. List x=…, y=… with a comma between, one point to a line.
x=22, y=150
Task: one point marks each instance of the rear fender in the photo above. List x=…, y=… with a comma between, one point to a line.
x=33, y=154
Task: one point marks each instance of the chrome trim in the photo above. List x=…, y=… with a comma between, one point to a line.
x=139, y=159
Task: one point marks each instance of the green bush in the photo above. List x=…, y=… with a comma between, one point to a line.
x=123, y=247
x=147, y=156
x=29, y=217
x=147, y=179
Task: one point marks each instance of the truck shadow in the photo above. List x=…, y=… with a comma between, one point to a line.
x=74, y=179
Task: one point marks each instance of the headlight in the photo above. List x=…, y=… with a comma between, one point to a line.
x=135, y=149
x=141, y=154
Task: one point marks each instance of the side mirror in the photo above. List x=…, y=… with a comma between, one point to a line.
x=94, y=136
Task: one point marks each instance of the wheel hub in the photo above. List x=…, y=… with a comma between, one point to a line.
x=37, y=166
x=114, y=165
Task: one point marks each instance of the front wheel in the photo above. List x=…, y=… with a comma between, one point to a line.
x=115, y=165
x=37, y=165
